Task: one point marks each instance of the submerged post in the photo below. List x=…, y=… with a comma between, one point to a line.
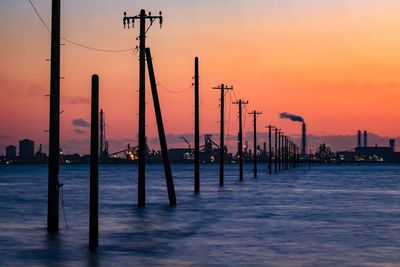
x=196, y=128
x=142, y=97
x=54, y=127
x=94, y=167
x=221, y=138
x=270, y=149
x=142, y=112
x=240, y=142
x=255, y=113
x=161, y=133
x=222, y=88
x=255, y=144
x=240, y=102
x=276, y=150
x=279, y=150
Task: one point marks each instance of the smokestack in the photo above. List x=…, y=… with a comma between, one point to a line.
x=303, y=139
x=392, y=144
x=359, y=138
x=365, y=139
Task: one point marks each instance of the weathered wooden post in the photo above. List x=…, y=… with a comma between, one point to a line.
x=94, y=167
x=161, y=133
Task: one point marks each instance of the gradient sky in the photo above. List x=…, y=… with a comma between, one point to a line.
x=334, y=62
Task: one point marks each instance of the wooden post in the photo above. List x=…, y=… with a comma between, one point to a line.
x=161, y=133
x=54, y=123
x=94, y=167
x=196, y=127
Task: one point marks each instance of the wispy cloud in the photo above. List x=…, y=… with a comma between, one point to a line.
x=79, y=131
x=81, y=123
x=77, y=100
x=3, y=136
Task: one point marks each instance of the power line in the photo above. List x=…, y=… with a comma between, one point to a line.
x=172, y=91
x=78, y=44
x=229, y=117
x=206, y=107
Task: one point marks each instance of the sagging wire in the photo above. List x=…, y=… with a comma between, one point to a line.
x=174, y=92
x=61, y=196
x=78, y=44
x=208, y=108
x=229, y=118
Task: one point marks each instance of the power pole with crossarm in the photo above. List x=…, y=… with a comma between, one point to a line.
x=142, y=17
x=255, y=113
x=222, y=88
x=240, y=102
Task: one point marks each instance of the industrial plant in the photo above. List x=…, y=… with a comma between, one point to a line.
x=366, y=153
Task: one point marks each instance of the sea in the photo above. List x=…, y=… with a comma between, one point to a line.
x=331, y=215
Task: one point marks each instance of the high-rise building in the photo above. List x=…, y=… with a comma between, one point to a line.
x=11, y=152
x=26, y=149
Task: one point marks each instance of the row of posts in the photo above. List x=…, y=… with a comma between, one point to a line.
x=285, y=154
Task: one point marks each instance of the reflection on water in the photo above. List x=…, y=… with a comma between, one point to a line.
x=333, y=215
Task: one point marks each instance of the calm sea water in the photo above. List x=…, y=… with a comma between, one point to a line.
x=329, y=216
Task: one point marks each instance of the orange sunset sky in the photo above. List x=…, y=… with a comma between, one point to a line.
x=334, y=62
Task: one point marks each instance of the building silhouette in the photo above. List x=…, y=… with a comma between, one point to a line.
x=11, y=152
x=26, y=150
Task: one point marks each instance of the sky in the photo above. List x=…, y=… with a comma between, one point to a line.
x=334, y=62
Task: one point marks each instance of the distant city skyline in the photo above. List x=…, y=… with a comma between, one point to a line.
x=335, y=142
x=335, y=63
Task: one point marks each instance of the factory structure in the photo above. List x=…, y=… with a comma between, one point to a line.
x=365, y=153
x=26, y=153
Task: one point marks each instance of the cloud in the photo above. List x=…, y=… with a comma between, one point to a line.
x=80, y=123
x=3, y=136
x=79, y=131
x=77, y=100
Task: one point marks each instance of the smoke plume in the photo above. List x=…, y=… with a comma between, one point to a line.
x=285, y=115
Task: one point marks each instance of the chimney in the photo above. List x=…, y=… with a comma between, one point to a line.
x=392, y=144
x=359, y=138
x=303, y=139
x=365, y=139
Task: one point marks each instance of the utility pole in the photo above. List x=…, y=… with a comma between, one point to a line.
x=279, y=150
x=222, y=88
x=54, y=129
x=94, y=167
x=161, y=132
x=142, y=17
x=240, y=102
x=255, y=113
x=283, y=152
x=276, y=150
x=196, y=127
x=270, y=149
x=286, y=152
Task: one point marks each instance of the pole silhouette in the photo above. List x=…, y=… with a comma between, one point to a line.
x=54, y=123
x=161, y=133
x=196, y=128
x=283, y=152
x=255, y=113
x=94, y=167
x=240, y=102
x=276, y=150
x=286, y=153
x=270, y=149
x=222, y=88
x=279, y=150
x=142, y=17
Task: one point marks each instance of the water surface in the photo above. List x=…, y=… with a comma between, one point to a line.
x=329, y=216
